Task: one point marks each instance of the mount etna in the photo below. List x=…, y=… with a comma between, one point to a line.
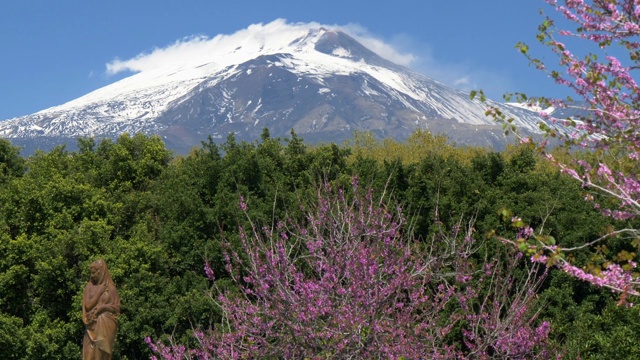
x=318, y=81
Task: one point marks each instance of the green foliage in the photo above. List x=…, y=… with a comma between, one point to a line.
x=587, y=321
x=156, y=218
x=11, y=164
x=12, y=337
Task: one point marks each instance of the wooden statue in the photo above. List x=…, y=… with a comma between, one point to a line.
x=100, y=309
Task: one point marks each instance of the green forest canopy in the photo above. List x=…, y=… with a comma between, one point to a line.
x=155, y=218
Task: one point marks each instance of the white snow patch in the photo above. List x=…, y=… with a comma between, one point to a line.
x=533, y=107
x=341, y=52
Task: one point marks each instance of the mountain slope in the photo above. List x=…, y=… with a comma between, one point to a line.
x=320, y=82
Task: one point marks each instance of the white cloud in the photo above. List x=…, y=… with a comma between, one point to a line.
x=201, y=48
x=463, y=81
x=405, y=50
x=179, y=52
x=379, y=46
x=221, y=51
x=461, y=74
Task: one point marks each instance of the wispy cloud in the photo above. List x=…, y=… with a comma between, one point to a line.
x=465, y=76
x=400, y=49
x=202, y=48
x=463, y=81
x=460, y=73
x=180, y=51
x=381, y=47
x=405, y=50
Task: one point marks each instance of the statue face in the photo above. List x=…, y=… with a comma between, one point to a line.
x=95, y=272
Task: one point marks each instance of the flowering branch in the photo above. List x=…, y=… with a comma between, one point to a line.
x=347, y=283
x=609, y=98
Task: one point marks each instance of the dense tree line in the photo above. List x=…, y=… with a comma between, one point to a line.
x=157, y=218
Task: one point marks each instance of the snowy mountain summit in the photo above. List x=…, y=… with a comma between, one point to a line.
x=319, y=81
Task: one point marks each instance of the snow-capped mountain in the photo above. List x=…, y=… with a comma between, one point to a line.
x=319, y=81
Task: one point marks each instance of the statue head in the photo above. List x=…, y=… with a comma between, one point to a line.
x=100, y=273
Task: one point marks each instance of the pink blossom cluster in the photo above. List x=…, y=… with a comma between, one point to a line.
x=609, y=88
x=613, y=277
x=346, y=283
x=604, y=82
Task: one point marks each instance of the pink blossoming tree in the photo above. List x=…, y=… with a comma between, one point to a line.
x=347, y=283
x=603, y=79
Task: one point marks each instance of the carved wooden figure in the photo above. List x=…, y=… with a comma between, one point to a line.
x=100, y=309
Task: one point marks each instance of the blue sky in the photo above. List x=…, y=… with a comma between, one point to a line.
x=54, y=51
